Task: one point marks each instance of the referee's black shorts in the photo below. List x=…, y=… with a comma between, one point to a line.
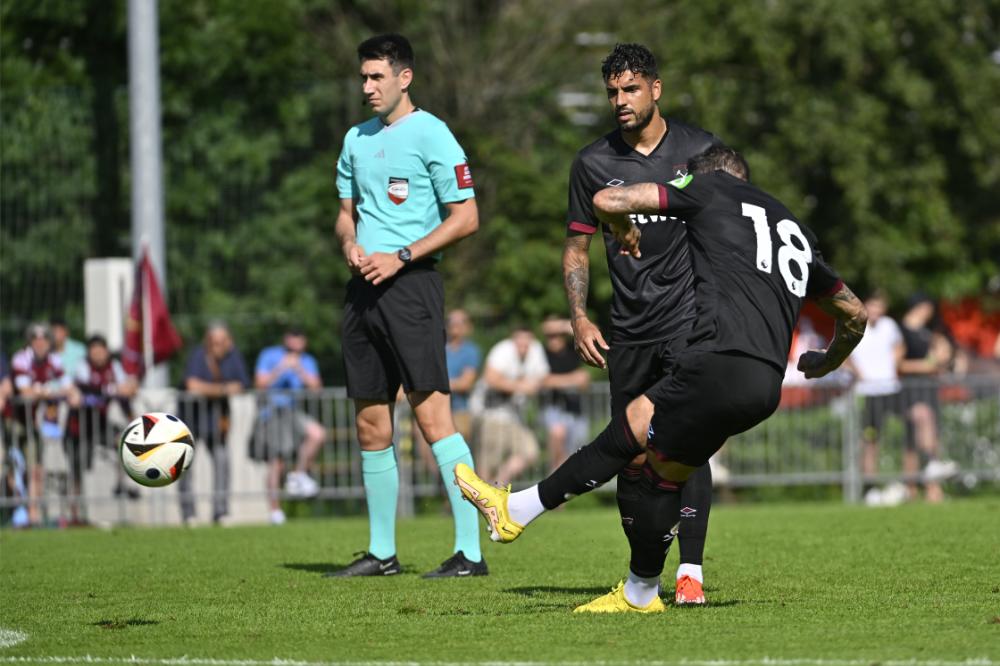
x=394, y=334
x=707, y=398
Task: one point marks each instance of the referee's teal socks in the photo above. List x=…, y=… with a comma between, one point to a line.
x=449, y=452
x=381, y=478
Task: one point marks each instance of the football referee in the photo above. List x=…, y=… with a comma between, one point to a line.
x=405, y=194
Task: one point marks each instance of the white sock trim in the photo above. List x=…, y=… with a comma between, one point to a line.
x=692, y=570
x=525, y=505
x=640, y=591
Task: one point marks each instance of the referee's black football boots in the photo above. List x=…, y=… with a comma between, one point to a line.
x=368, y=565
x=459, y=566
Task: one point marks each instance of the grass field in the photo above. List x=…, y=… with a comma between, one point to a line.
x=816, y=584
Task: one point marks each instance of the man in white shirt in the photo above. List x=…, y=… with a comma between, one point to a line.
x=515, y=370
x=875, y=362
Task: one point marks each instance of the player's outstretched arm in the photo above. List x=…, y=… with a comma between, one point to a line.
x=612, y=206
x=587, y=336
x=849, y=312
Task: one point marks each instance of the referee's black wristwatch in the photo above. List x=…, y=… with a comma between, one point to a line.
x=405, y=256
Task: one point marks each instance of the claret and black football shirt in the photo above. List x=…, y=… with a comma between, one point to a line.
x=653, y=297
x=754, y=263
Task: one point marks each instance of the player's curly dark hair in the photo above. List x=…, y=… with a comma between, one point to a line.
x=634, y=58
x=392, y=47
x=720, y=158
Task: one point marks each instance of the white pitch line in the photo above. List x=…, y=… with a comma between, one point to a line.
x=11, y=637
x=278, y=661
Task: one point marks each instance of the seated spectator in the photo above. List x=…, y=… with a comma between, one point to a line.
x=285, y=433
x=100, y=380
x=71, y=352
x=215, y=371
x=6, y=393
x=565, y=426
x=11, y=486
x=464, y=358
x=40, y=387
x=514, y=371
x=928, y=353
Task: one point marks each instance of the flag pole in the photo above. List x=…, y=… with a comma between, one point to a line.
x=147, y=318
x=146, y=157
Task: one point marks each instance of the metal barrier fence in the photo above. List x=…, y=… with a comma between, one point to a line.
x=61, y=464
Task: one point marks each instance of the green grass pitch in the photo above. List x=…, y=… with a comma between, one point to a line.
x=810, y=584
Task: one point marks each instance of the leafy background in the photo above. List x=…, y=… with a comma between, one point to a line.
x=878, y=122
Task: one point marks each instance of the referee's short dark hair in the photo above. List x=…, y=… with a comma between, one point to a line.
x=720, y=158
x=391, y=47
x=634, y=58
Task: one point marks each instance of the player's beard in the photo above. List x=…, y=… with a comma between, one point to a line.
x=639, y=120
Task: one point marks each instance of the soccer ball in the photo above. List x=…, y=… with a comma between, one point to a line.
x=156, y=449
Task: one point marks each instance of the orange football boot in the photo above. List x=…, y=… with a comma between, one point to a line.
x=689, y=592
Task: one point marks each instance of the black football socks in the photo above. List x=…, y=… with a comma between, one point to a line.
x=696, y=502
x=592, y=466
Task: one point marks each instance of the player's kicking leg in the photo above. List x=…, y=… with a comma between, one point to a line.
x=590, y=467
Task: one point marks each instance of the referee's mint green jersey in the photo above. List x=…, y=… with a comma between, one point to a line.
x=400, y=177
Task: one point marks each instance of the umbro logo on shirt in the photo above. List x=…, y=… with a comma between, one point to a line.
x=380, y=154
x=615, y=182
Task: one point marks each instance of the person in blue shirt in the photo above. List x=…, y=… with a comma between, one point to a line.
x=405, y=194
x=464, y=360
x=283, y=426
x=215, y=372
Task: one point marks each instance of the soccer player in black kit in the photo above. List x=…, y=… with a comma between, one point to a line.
x=653, y=303
x=754, y=265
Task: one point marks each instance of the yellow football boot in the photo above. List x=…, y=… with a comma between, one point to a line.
x=489, y=501
x=615, y=602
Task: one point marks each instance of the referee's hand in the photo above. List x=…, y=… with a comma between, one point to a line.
x=380, y=266
x=354, y=254
x=589, y=342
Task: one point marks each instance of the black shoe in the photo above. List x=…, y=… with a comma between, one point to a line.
x=458, y=566
x=368, y=565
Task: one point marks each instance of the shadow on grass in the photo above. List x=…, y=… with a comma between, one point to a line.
x=538, y=590
x=709, y=604
x=322, y=568
x=121, y=624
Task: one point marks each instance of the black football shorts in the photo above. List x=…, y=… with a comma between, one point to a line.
x=634, y=369
x=705, y=399
x=394, y=334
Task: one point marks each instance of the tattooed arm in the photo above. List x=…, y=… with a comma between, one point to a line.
x=612, y=206
x=851, y=318
x=587, y=337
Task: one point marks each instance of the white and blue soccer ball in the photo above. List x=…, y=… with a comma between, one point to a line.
x=156, y=449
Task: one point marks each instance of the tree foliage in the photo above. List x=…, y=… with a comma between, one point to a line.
x=877, y=122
